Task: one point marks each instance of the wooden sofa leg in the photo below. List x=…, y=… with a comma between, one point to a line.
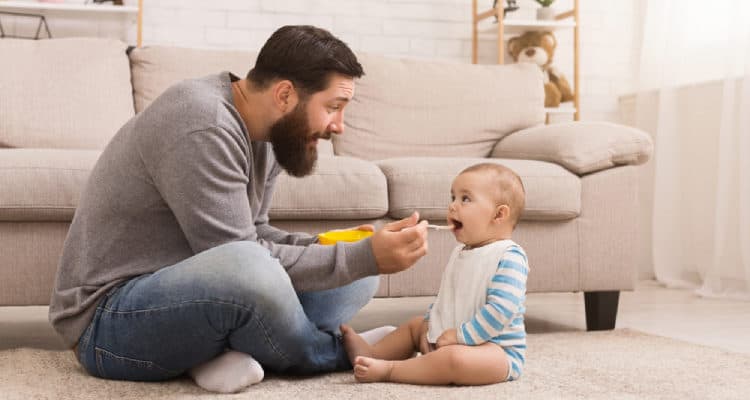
x=601, y=310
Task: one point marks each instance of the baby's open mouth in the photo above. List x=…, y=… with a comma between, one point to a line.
x=456, y=224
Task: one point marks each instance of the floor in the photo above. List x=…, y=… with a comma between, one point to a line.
x=650, y=308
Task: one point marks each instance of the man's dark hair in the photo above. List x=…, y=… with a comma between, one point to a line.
x=305, y=55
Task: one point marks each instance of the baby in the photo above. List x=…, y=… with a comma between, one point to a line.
x=473, y=334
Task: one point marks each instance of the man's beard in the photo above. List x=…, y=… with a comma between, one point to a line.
x=290, y=139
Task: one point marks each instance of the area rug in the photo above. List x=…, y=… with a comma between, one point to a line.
x=616, y=364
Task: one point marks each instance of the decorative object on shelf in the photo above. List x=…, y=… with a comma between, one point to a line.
x=42, y=23
x=545, y=12
x=510, y=6
x=518, y=23
x=538, y=48
x=38, y=9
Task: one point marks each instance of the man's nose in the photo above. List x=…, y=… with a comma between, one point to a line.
x=337, y=126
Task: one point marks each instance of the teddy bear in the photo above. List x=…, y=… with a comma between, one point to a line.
x=538, y=47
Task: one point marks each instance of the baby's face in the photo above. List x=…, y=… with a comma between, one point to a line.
x=473, y=208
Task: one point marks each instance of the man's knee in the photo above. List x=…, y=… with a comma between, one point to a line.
x=364, y=289
x=245, y=269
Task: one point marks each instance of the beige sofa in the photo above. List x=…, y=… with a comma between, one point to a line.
x=413, y=125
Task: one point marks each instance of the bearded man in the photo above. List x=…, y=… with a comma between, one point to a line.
x=171, y=266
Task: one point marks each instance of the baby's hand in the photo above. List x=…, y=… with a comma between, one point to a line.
x=447, y=338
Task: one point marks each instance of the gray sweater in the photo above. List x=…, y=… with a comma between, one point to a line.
x=179, y=178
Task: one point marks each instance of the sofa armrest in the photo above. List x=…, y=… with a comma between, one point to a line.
x=581, y=147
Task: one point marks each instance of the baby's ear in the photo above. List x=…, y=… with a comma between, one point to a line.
x=502, y=213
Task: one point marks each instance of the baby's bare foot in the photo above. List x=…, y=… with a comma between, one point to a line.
x=354, y=344
x=368, y=369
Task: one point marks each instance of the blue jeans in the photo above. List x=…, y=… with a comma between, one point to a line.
x=157, y=326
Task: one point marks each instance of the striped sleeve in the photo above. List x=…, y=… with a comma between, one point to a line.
x=427, y=314
x=505, y=298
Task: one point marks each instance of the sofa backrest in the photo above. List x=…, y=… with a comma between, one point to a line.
x=401, y=107
x=156, y=68
x=63, y=93
x=407, y=107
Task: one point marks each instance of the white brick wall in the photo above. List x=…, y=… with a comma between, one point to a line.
x=438, y=29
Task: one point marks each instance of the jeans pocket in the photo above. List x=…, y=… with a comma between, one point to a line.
x=113, y=366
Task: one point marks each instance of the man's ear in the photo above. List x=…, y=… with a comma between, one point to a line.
x=502, y=212
x=285, y=96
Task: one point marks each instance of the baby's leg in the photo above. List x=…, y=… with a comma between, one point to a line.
x=457, y=364
x=397, y=345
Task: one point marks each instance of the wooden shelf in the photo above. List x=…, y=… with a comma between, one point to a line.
x=563, y=109
x=32, y=7
x=28, y=6
x=515, y=26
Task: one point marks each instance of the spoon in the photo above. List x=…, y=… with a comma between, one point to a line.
x=440, y=227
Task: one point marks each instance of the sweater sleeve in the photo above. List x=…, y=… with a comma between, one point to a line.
x=505, y=297
x=203, y=179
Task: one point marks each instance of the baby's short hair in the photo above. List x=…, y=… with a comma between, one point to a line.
x=509, y=186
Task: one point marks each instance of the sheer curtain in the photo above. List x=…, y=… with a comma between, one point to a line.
x=694, y=87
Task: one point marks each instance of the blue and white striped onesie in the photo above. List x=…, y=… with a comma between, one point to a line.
x=482, y=294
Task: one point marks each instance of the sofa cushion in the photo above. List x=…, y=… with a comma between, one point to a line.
x=423, y=184
x=340, y=188
x=42, y=184
x=581, y=147
x=406, y=108
x=46, y=184
x=63, y=93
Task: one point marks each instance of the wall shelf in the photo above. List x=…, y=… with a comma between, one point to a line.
x=29, y=7
x=560, y=110
x=517, y=26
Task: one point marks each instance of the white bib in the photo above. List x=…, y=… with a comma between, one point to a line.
x=464, y=285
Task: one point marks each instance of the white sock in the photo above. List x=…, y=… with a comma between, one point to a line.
x=374, y=335
x=228, y=373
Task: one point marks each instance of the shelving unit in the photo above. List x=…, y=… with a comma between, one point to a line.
x=565, y=20
x=28, y=7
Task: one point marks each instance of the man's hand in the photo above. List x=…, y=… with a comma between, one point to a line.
x=447, y=338
x=424, y=344
x=398, y=245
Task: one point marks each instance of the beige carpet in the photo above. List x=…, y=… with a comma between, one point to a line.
x=615, y=364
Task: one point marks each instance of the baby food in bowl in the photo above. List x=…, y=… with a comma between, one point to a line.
x=347, y=235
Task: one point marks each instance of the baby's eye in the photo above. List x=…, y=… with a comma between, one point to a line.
x=465, y=199
x=453, y=198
